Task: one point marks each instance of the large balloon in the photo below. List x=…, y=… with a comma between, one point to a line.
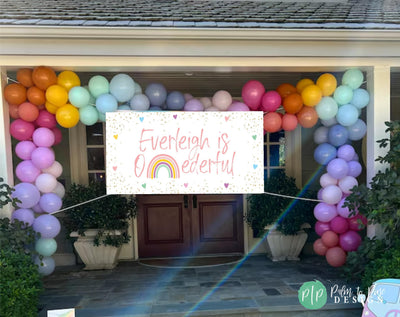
x=321, y=135
x=222, y=100
x=46, y=247
x=68, y=79
x=292, y=103
x=338, y=135
x=141, y=102
x=88, y=115
x=156, y=93
x=270, y=101
x=24, y=76
x=357, y=130
x=327, y=82
x=339, y=225
x=43, y=77
x=347, y=115
x=330, y=239
x=106, y=103
x=57, y=95
x=337, y=168
x=67, y=116
x=353, y=78
x=79, y=96
x=324, y=212
x=24, y=149
x=319, y=247
x=98, y=85
x=272, y=122
x=43, y=137
x=15, y=93
x=46, y=265
x=42, y=157
x=311, y=95
x=46, y=120
x=355, y=168
x=50, y=202
x=327, y=108
x=122, y=87
x=176, y=101
x=307, y=117
x=252, y=93
x=47, y=225
x=350, y=241
x=24, y=215
x=335, y=256
x=27, y=172
x=324, y=153
x=343, y=95
x=27, y=193
x=28, y=112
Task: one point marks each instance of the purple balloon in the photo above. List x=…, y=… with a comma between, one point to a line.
x=344, y=211
x=324, y=212
x=346, y=152
x=37, y=209
x=355, y=168
x=337, y=168
x=350, y=241
x=27, y=172
x=238, y=106
x=47, y=225
x=25, y=215
x=43, y=137
x=24, y=149
x=321, y=227
x=339, y=225
x=43, y=157
x=27, y=193
x=50, y=202
x=193, y=105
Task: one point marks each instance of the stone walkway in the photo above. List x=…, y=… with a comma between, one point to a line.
x=254, y=287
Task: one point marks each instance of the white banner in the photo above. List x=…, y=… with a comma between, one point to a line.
x=184, y=152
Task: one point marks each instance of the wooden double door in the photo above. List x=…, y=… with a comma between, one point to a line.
x=189, y=225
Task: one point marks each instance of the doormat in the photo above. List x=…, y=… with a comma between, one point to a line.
x=191, y=262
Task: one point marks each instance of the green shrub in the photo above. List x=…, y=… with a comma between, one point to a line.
x=16, y=237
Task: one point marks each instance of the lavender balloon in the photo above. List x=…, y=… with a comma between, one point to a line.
x=193, y=105
x=43, y=157
x=27, y=172
x=344, y=211
x=24, y=215
x=355, y=168
x=24, y=149
x=321, y=135
x=50, y=202
x=47, y=225
x=27, y=193
x=325, y=212
x=238, y=106
x=346, y=152
x=337, y=168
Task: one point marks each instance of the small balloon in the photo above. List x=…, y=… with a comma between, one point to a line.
x=292, y=103
x=207, y=103
x=28, y=112
x=289, y=122
x=79, y=96
x=27, y=194
x=21, y=130
x=324, y=153
x=326, y=180
x=347, y=183
x=325, y=212
x=357, y=130
x=42, y=157
x=15, y=93
x=327, y=108
x=307, y=117
x=321, y=227
x=59, y=190
x=321, y=135
x=344, y=211
x=350, y=241
x=13, y=111
x=193, y=105
x=311, y=95
x=337, y=168
x=330, y=122
x=347, y=115
x=338, y=135
x=156, y=93
x=355, y=168
x=57, y=95
x=176, y=101
x=343, y=95
x=360, y=98
x=237, y=106
x=88, y=115
x=272, y=122
x=57, y=135
x=339, y=225
x=270, y=101
x=346, y=152
x=330, y=239
x=43, y=137
x=46, y=247
x=67, y=116
x=328, y=83
x=24, y=76
x=36, y=96
x=50, y=202
x=332, y=194
x=303, y=83
x=319, y=247
x=46, y=183
x=285, y=90
x=55, y=169
x=357, y=223
x=46, y=265
x=46, y=119
x=27, y=172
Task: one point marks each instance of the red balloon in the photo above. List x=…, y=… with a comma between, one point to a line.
x=289, y=122
x=357, y=223
x=335, y=256
x=28, y=112
x=57, y=135
x=46, y=119
x=350, y=240
x=330, y=239
x=339, y=225
x=321, y=227
x=252, y=93
x=319, y=247
x=22, y=130
x=272, y=122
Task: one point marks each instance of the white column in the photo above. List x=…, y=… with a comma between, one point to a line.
x=378, y=112
x=6, y=167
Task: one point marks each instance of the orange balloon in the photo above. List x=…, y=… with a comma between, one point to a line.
x=15, y=93
x=303, y=83
x=286, y=89
x=24, y=76
x=307, y=117
x=292, y=103
x=319, y=247
x=36, y=96
x=68, y=79
x=44, y=77
x=328, y=83
x=311, y=95
x=28, y=112
x=272, y=122
x=336, y=256
x=50, y=107
x=330, y=239
x=13, y=111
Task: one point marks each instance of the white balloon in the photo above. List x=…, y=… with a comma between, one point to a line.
x=347, y=183
x=59, y=190
x=46, y=183
x=331, y=194
x=326, y=180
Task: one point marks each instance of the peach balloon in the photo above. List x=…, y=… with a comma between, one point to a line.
x=319, y=247
x=222, y=100
x=13, y=111
x=330, y=239
x=28, y=112
x=307, y=117
x=336, y=256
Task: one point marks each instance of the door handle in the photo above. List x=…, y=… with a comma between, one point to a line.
x=194, y=201
x=185, y=201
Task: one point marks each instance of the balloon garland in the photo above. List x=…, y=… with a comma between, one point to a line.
x=41, y=99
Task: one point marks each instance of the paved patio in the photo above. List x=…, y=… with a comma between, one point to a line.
x=253, y=287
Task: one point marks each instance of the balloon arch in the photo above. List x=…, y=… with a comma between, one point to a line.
x=40, y=99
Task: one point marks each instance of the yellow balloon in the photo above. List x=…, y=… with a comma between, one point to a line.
x=303, y=83
x=57, y=95
x=68, y=79
x=328, y=83
x=67, y=116
x=311, y=95
x=50, y=107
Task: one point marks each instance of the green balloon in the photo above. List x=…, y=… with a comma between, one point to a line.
x=99, y=85
x=79, y=96
x=88, y=115
x=327, y=108
x=353, y=78
x=343, y=95
x=46, y=247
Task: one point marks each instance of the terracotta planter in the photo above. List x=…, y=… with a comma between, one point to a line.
x=95, y=257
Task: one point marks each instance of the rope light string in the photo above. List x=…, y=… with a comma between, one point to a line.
x=80, y=204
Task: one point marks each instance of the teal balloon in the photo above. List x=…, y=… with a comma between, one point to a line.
x=347, y=115
x=353, y=78
x=92, y=100
x=124, y=107
x=79, y=96
x=46, y=247
x=138, y=89
x=360, y=98
x=327, y=108
x=102, y=117
x=88, y=115
x=343, y=95
x=98, y=85
x=106, y=103
x=122, y=87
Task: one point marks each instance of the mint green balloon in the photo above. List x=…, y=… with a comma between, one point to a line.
x=327, y=108
x=353, y=78
x=88, y=115
x=99, y=85
x=92, y=100
x=79, y=96
x=102, y=116
x=46, y=247
x=343, y=95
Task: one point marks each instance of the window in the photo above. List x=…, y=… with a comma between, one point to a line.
x=274, y=152
x=95, y=148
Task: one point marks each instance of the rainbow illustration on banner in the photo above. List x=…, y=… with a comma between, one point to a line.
x=163, y=161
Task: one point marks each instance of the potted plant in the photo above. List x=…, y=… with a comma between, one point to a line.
x=282, y=219
x=100, y=225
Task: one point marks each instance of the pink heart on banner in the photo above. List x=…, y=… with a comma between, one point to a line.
x=114, y=168
x=186, y=185
x=175, y=116
x=226, y=185
x=226, y=118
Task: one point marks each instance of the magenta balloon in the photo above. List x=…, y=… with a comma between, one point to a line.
x=350, y=241
x=57, y=135
x=22, y=130
x=46, y=120
x=193, y=105
x=43, y=157
x=43, y=137
x=331, y=194
x=24, y=215
x=343, y=211
x=24, y=149
x=252, y=93
x=321, y=227
x=270, y=101
x=346, y=152
x=339, y=225
x=325, y=212
x=357, y=223
x=337, y=168
x=47, y=225
x=27, y=172
x=238, y=106
x=27, y=193
x=355, y=168
x=50, y=202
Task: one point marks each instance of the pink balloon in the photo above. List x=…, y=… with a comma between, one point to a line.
x=270, y=101
x=43, y=137
x=358, y=222
x=238, y=106
x=289, y=122
x=321, y=227
x=22, y=130
x=350, y=241
x=43, y=157
x=252, y=93
x=57, y=135
x=325, y=212
x=24, y=149
x=326, y=180
x=187, y=97
x=355, y=168
x=331, y=194
x=27, y=172
x=222, y=100
x=344, y=211
x=46, y=119
x=55, y=169
x=193, y=105
x=339, y=225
